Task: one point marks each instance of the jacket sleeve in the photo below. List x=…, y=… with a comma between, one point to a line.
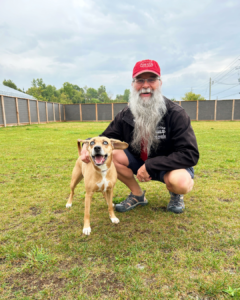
x=183, y=139
x=114, y=129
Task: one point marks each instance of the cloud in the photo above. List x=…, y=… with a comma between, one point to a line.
x=97, y=43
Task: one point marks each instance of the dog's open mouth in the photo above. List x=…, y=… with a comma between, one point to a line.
x=99, y=159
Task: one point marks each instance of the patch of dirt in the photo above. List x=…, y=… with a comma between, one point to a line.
x=32, y=283
x=106, y=282
x=146, y=231
x=59, y=211
x=225, y=200
x=35, y=210
x=196, y=250
x=181, y=227
x=157, y=208
x=2, y=182
x=150, y=281
x=229, y=252
x=2, y=260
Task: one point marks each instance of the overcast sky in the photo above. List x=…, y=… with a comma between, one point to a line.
x=93, y=43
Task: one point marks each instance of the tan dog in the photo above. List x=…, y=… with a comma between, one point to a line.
x=99, y=175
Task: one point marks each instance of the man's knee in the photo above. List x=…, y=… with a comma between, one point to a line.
x=120, y=158
x=179, y=180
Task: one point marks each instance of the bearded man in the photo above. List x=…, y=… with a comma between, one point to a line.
x=162, y=144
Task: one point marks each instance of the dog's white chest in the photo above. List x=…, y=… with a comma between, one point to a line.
x=102, y=186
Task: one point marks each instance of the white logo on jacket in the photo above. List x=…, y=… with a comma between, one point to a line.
x=161, y=132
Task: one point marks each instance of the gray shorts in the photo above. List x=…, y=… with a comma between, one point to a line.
x=135, y=163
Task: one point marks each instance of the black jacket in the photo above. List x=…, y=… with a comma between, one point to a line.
x=178, y=146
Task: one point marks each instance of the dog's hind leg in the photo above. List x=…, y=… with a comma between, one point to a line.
x=77, y=176
x=109, y=196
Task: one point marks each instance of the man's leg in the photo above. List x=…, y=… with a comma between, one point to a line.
x=126, y=175
x=178, y=182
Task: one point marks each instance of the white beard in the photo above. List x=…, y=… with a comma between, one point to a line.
x=147, y=112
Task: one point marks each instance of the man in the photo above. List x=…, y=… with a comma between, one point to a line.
x=162, y=144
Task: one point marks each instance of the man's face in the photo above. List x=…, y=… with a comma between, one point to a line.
x=146, y=85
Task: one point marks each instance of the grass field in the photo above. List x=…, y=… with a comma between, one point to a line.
x=150, y=254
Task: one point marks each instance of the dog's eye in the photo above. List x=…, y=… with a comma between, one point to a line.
x=92, y=143
x=105, y=143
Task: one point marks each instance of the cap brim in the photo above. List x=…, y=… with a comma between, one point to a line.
x=146, y=71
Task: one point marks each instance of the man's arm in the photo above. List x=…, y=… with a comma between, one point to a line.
x=185, y=152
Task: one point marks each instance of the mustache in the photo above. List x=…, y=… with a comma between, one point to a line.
x=143, y=90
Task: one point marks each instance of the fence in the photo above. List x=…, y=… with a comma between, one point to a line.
x=19, y=111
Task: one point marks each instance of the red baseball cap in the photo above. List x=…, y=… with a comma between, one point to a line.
x=146, y=65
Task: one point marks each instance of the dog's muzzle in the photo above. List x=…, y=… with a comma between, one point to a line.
x=98, y=157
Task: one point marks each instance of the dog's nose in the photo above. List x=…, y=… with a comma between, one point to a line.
x=97, y=148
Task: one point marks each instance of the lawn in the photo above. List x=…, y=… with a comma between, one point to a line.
x=150, y=254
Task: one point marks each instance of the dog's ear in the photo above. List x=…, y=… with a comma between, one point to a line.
x=80, y=146
x=118, y=144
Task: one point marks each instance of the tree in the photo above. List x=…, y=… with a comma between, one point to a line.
x=64, y=99
x=11, y=84
x=78, y=97
x=91, y=93
x=190, y=96
x=37, y=88
x=126, y=95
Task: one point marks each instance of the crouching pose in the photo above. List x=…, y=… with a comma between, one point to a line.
x=162, y=144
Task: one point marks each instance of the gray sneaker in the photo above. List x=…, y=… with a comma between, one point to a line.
x=176, y=203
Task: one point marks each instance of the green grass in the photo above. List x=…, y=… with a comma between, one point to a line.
x=151, y=254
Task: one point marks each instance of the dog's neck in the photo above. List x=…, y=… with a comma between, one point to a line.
x=104, y=168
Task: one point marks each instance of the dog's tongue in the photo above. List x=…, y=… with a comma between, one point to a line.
x=99, y=159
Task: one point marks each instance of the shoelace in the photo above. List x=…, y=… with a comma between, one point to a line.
x=176, y=200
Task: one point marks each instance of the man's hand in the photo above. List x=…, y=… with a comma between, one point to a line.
x=142, y=174
x=85, y=154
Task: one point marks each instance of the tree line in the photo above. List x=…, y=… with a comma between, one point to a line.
x=69, y=93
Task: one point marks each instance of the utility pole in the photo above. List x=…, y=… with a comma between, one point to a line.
x=210, y=85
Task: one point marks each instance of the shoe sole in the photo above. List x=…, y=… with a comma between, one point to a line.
x=176, y=211
x=119, y=209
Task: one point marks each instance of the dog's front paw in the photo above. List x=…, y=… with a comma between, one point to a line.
x=115, y=220
x=68, y=205
x=86, y=231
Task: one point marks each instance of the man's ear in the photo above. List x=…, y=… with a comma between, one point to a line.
x=118, y=144
x=80, y=146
